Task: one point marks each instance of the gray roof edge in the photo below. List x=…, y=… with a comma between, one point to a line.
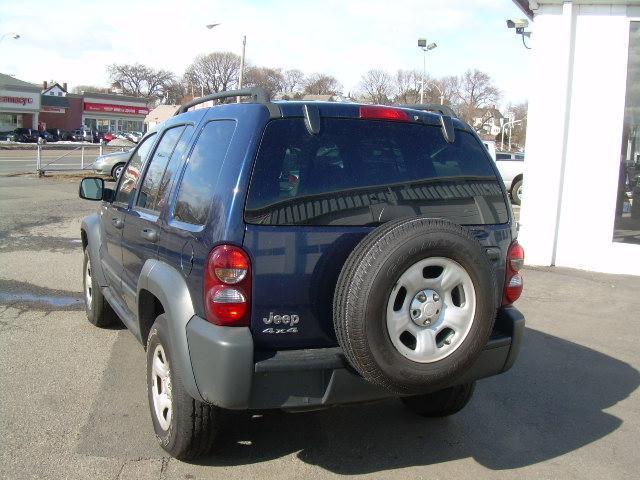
x=7, y=81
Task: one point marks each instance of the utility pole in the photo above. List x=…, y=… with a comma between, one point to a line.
x=240, y=77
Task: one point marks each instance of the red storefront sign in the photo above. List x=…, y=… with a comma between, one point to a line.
x=19, y=100
x=110, y=108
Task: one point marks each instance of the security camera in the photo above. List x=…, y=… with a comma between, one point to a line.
x=518, y=23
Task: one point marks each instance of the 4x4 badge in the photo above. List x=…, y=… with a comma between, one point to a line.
x=285, y=323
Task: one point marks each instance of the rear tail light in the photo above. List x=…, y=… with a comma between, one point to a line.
x=227, y=286
x=376, y=112
x=513, y=280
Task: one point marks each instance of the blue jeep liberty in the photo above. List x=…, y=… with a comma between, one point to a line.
x=299, y=255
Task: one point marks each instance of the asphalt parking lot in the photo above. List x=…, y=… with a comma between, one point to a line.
x=73, y=401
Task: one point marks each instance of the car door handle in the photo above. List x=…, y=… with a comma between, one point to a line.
x=149, y=234
x=117, y=222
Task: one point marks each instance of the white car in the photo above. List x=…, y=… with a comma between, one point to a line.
x=511, y=168
x=134, y=136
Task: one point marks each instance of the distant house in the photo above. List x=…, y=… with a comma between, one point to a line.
x=159, y=115
x=488, y=121
x=54, y=89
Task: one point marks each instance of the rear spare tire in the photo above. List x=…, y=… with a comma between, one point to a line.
x=415, y=304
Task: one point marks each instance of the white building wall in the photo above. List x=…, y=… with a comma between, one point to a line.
x=574, y=139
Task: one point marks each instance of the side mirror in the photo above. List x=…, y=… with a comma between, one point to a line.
x=92, y=188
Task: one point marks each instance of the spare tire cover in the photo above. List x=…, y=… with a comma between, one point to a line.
x=415, y=304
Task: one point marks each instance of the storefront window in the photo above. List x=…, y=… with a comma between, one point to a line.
x=10, y=121
x=627, y=221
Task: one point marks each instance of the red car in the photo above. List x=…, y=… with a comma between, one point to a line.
x=108, y=137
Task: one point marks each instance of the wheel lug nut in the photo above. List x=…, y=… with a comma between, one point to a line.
x=415, y=313
x=427, y=322
x=436, y=297
x=422, y=297
x=447, y=341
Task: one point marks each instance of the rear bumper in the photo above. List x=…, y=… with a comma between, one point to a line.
x=230, y=374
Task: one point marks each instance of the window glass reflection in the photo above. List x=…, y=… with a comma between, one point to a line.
x=627, y=220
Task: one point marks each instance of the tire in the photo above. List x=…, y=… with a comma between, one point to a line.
x=369, y=291
x=186, y=428
x=441, y=403
x=516, y=193
x=99, y=312
x=117, y=170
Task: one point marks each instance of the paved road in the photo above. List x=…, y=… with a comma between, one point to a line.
x=73, y=401
x=21, y=161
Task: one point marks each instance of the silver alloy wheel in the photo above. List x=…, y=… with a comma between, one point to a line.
x=431, y=309
x=161, y=388
x=87, y=284
x=118, y=171
x=519, y=192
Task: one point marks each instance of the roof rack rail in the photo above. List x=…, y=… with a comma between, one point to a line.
x=260, y=95
x=433, y=107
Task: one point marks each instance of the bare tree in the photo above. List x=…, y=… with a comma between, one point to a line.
x=175, y=92
x=376, y=86
x=211, y=73
x=321, y=84
x=441, y=90
x=407, y=86
x=140, y=80
x=475, y=92
x=271, y=79
x=293, y=81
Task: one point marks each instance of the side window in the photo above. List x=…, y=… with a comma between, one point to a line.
x=172, y=167
x=202, y=170
x=133, y=170
x=503, y=156
x=520, y=157
x=157, y=164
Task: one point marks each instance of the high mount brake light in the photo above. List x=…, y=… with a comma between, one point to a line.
x=227, y=286
x=513, y=280
x=375, y=112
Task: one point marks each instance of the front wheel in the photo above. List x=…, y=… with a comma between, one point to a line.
x=186, y=428
x=441, y=403
x=117, y=171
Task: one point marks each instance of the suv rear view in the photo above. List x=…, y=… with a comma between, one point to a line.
x=302, y=255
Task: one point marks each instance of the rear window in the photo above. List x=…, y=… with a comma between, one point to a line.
x=357, y=172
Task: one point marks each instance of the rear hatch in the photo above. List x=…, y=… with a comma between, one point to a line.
x=314, y=196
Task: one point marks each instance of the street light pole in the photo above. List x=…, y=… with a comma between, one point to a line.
x=422, y=44
x=424, y=70
x=510, y=125
x=241, y=76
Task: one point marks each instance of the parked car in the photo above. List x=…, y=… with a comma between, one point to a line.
x=361, y=278
x=82, y=135
x=108, y=136
x=59, y=134
x=46, y=137
x=511, y=167
x=25, y=135
x=111, y=163
x=8, y=136
x=134, y=136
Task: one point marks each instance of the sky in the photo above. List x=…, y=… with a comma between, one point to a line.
x=74, y=42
